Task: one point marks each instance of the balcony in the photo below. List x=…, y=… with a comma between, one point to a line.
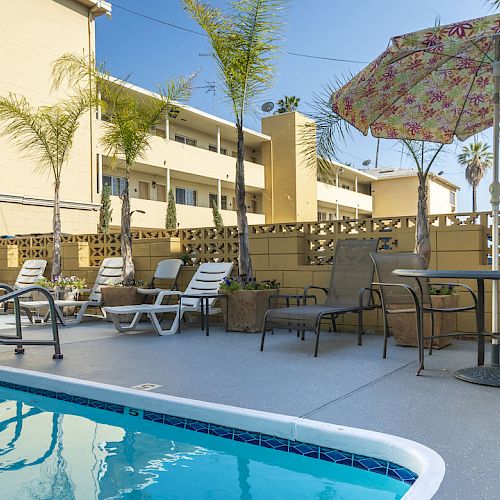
x=187, y=216
x=333, y=195
x=197, y=161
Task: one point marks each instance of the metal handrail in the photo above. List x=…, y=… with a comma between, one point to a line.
x=17, y=339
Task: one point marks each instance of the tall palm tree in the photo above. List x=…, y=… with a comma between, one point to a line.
x=244, y=42
x=46, y=134
x=476, y=157
x=288, y=103
x=127, y=132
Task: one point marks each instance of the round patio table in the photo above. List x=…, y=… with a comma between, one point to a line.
x=481, y=374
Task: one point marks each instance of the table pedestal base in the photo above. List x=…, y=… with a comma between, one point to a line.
x=482, y=375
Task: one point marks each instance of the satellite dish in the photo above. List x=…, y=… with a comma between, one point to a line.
x=366, y=163
x=267, y=106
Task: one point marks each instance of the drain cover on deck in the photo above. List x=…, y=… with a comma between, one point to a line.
x=146, y=387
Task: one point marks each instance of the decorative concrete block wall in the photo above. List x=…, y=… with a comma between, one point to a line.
x=296, y=255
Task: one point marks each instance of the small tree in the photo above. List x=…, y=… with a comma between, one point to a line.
x=424, y=155
x=476, y=158
x=46, y=134
x=287, y=104
x=244, y=43
x=171, y=217
x=106, y=212
x=218, y=222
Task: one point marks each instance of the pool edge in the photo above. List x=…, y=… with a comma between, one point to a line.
x=424, y=461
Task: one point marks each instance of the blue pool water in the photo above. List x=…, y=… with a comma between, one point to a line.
x=51, y=449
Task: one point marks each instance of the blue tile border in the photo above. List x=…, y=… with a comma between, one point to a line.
x=340, y=457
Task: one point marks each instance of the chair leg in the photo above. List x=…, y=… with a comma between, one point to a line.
x=334, y=324
x=420, y=336
x=318, y=330
x=432, y=334
x=360, y=326
x=386, y=335
x=263, y=338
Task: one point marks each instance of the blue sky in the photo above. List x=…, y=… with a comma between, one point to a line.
x=151, y=52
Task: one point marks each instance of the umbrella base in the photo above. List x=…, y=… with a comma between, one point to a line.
x=482, y=375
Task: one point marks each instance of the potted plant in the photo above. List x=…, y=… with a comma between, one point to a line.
x=64, y=288
x=122, y=294
x=403, y=327
x=247, y=303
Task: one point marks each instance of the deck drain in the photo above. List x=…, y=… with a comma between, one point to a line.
x=146, y=387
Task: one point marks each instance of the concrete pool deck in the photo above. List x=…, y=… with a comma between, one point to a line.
x=346, y=384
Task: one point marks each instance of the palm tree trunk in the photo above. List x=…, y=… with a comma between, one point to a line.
x=56, y=222
x=126, y=236
x=422, y=236
x=474, y=199
x=244, y=260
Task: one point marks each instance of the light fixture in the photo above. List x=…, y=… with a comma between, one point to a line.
x=153, y=184
x=138, y=211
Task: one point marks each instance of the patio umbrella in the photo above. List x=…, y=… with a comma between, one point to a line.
x=434, y=85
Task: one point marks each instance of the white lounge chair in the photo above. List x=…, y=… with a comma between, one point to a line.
x=166, y=270
x=31, y=271
x=110, y=273
x=206, y=280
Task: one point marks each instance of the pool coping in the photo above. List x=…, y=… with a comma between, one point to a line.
x=425, y=462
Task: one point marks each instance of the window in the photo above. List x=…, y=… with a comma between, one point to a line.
x=144, y=190
x=213, y=148
x=161, y=192
x=117, y=184
x=453, y=198
x=185, y=196
x=321, y=216
x=185, y=140
x=212, y=198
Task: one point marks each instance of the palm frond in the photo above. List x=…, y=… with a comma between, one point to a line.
x=423, y=153
x=245, y=42
x=320, y=139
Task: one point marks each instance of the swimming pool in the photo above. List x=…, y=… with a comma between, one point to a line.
x=64, y=444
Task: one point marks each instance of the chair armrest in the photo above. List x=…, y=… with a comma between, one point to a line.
x=372, y=291
x=408, y=288
x=297, y=297
x=459, y=285
x=166, y=293
x=313, y=287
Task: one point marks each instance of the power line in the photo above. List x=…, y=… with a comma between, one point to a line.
x=199, y=33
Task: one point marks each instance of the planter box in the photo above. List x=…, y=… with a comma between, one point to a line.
x=403, y=327
x=247, y=309
x=121, y=296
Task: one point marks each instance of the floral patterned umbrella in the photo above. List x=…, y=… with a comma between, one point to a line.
x=428, y=85
x=434, y=85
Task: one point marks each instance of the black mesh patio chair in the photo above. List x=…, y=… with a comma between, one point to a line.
x=414, y=293
x=349, y=292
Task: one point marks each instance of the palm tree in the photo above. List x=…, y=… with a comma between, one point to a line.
x=476, y=158
x=289, y=103
x=46, y=134
x=244, y=43
x=129, y=128
x=424, y=156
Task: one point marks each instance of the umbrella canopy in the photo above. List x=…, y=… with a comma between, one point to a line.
x=430, y=85
x=433, y=85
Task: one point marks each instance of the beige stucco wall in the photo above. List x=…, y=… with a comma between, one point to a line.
x=33, y=33
x=439, y=198
x=395, y=196
x=290, y=184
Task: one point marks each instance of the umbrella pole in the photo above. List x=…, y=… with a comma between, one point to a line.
x=495, y=201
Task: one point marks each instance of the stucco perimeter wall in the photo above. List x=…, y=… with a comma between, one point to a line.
x=296, y=255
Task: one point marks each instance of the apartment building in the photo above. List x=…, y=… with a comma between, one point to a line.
x=192, y=152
